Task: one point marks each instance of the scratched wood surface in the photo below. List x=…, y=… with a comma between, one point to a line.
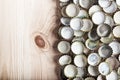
x=20, y=22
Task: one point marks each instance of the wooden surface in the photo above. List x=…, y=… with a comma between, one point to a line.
x=20, y=22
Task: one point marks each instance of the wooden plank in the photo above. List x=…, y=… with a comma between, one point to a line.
x=20, y=22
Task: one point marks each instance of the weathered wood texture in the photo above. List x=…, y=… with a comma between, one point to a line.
x=20, y=57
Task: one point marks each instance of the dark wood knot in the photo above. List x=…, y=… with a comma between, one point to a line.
x=39, y=41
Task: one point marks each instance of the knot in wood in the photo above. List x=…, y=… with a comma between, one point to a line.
x=39, y=41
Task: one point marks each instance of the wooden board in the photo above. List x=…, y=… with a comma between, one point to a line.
x=20, y=57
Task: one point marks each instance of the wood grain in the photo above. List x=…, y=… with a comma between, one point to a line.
x=20, y=22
